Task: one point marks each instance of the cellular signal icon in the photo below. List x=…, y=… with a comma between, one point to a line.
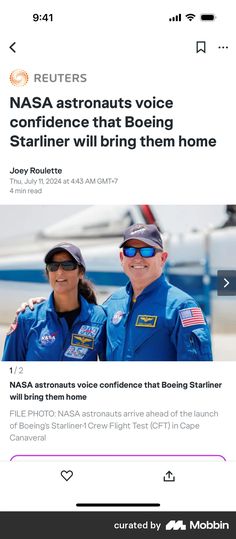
x=190, y=16
x=177, y=18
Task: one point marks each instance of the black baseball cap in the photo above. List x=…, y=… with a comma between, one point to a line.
x=149, y=234
x=74, y=251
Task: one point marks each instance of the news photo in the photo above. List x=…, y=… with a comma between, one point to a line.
x=165, y=272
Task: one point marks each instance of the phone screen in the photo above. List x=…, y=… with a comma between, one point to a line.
x=118, y=267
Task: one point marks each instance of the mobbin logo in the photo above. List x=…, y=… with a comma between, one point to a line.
x=175, y=525
x=209, y=525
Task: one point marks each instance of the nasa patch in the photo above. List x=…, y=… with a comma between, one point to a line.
x=117, y=317
x=13, y=326
x=88, y=331
x=46, y=338
x=75, y=352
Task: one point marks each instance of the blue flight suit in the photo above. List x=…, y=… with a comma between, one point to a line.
x=163, y=324
x=40, y=335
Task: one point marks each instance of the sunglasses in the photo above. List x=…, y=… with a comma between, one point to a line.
x=145, y=252
x=67, y=265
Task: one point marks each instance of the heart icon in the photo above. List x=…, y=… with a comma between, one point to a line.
x=66, y=474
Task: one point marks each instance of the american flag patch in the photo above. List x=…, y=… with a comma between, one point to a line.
x=191, y=317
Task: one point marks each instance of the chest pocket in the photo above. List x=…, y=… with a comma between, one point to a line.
x=116, y=333
x=144, y=333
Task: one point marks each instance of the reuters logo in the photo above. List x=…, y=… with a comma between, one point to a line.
x=19, y=77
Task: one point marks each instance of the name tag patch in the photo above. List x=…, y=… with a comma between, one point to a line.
x=88, y=331
x=146, y=321
x=82, y=340
x=75, y=352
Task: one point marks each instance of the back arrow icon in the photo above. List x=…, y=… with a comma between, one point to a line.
x=11, y=47
x=226, y=282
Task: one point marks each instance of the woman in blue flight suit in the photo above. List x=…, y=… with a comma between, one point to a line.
x=69, y=326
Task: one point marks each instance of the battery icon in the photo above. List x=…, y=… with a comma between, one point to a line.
x=207, y=17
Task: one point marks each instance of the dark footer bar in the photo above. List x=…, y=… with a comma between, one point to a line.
x=115, y=505
x=112, y=524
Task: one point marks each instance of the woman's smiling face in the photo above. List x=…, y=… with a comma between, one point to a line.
x=62, y=281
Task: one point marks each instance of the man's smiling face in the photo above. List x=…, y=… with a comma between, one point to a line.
x=142, y=271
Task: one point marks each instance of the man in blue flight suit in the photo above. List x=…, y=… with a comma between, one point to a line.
x=149, y=319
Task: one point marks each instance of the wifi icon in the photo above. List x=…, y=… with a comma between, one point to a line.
x=190, y=16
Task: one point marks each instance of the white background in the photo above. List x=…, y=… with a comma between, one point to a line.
x=129, y=50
